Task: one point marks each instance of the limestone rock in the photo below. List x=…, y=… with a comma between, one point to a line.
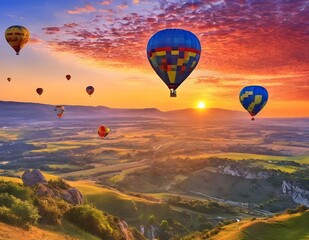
x=244, y=172
x=299, y=195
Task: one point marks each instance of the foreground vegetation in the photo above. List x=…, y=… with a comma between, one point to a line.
x=20, y=206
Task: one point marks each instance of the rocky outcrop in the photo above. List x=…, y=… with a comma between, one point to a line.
x=57, y=188
x=299, y=196
x=243, y=172
x=42, y=190
x=31, y=178
x=73, y=195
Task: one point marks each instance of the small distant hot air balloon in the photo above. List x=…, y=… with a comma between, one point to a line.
x=90, y=90
x=68, y=77
x=9, y=79
x=39, y=91
x=17, y=37
x=253, y=99
x=173, y=54
x=59, y=111
x=103, y=131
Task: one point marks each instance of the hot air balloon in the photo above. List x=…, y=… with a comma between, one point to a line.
x=17, y=37
x=173, y=54
x=253, y=99
x=90, y=90
x=68, y=77
x=103, y=131
x=59, y=111
x=9, y=79
x=39, y=91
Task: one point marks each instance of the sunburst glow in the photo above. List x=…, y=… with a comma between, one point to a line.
x=201, y=105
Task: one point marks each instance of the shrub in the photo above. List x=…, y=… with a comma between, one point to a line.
x=301, y=208
x=17, y=212
x=91, y=220
x=17, y=190
x=51, y=210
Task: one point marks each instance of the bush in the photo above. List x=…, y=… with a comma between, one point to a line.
x=51, y=210
x=17, y=190
x=290, y=211
x=17, y=212
x=301, y=208
x=91, y=220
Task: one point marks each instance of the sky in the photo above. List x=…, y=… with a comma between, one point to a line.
x=103, y=44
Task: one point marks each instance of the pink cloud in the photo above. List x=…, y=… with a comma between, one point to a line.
x=86, y=9
x=107, y=2
x=51, y=30
x=122, y=6
x=236, y=38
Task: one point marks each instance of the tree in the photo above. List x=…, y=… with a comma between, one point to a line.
x=151, y=219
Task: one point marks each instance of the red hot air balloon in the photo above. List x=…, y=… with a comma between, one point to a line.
x=68, y=77
x=103, y=131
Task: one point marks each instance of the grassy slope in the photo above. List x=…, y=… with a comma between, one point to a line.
x=285, y=227
x=9, y=232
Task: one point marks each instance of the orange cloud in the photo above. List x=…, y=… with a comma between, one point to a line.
x=108, y=2
x=86, y=9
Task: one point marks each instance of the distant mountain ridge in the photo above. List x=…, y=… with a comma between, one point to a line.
x=28, y=110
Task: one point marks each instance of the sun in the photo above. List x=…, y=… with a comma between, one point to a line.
x=201, y=105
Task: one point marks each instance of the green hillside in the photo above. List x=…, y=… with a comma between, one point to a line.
x=284, y=227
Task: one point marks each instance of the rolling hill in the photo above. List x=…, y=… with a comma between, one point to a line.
x=283, y=227
x=43, y=112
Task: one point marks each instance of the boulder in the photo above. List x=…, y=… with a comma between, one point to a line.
x=73, y=196
x=33, y=177
x=42, y=190
x=57, y=189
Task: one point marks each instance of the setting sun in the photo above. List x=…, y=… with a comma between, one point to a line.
x=201, y=105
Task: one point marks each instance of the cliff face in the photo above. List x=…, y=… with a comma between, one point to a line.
x=243, y=172
x=299, y=196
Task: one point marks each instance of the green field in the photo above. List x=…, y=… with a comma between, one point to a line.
x=286, y=227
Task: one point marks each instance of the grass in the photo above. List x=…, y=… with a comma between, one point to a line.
x=60, y=166
x=285, y=227
x=10, y=134
x=104, y=168
x=54, y=147
x=226, y=186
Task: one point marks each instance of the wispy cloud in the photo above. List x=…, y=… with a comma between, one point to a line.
x=78, y=10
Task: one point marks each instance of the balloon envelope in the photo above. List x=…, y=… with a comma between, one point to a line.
x=173, y=54
x=9, y=79
x=90, y=90
x=103, y=131
x=17, y=37
x=39, y=91
x=253, y=99
x=59, y=111
x=68, y=77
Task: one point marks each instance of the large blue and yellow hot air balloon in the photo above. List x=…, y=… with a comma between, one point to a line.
x=173, y=54
x=253, y=99
x=17, y=36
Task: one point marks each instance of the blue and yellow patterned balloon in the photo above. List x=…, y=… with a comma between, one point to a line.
x=253, y=99
x=173, y=54
x=17, y=37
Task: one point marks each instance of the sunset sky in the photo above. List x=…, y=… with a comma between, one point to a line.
x=103, y=44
